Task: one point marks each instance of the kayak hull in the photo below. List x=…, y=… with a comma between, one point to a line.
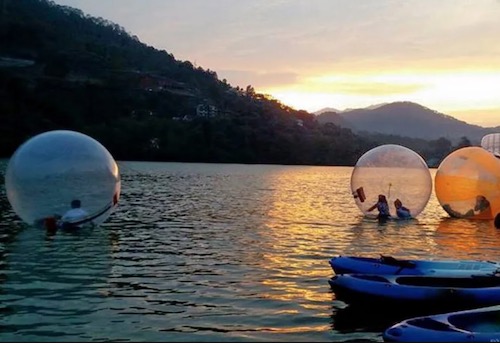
x=438, y=292
x=475, y=325
x=388, y=265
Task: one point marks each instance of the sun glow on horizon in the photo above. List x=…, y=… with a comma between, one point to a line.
x=450, y=92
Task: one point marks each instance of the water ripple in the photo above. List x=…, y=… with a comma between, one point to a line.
x=207, y=252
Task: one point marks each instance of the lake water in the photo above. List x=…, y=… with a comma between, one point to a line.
x=212, y=252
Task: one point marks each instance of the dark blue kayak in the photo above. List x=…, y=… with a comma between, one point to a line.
x=388, y=265
x=476, y=325
x=447, y=292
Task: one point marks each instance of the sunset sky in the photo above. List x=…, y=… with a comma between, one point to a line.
x=312, y=54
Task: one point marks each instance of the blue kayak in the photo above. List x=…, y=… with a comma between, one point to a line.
x=445, y=292
x=477, y=325
x=389, y=265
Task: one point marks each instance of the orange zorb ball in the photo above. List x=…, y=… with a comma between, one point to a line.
x=467, y=184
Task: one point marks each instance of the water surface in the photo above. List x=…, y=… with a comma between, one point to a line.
x=213, y=252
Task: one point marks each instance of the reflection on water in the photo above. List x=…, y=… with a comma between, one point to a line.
x=468, y=238
x=49, y=279
x=212, y=252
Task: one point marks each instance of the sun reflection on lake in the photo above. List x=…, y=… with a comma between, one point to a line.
x=301, y=212
x=463, y=238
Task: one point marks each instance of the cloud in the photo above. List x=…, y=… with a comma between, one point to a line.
x=259, y=80
x=486, y=117
x=373, y=88
x=355, y=87
x=298, y=35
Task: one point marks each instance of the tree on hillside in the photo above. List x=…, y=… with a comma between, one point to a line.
x=463, y=143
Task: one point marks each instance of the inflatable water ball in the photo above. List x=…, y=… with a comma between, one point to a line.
x=467, y=183
x=395, y=172
x=491, y=142
x=57, y=170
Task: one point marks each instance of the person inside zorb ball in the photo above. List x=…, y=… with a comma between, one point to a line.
x=467, y=184
x=392, y=179
x=62, y=179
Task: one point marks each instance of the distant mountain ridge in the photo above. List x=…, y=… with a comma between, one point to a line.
x=326, y=110
x=407, y=119
x=331, y=109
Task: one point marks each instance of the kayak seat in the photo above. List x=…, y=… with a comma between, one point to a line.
x=370, y=277
x=431, y=324
x=488, y=321
x=389, y=260
x=452, y=282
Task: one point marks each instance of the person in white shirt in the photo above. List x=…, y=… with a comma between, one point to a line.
x=74, y=215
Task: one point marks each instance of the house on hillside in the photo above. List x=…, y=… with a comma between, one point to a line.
x=205, y=110
x=151, y=82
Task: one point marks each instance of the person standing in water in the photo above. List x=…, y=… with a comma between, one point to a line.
x=482, y=204
x=382, y=206
x=74, y=215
